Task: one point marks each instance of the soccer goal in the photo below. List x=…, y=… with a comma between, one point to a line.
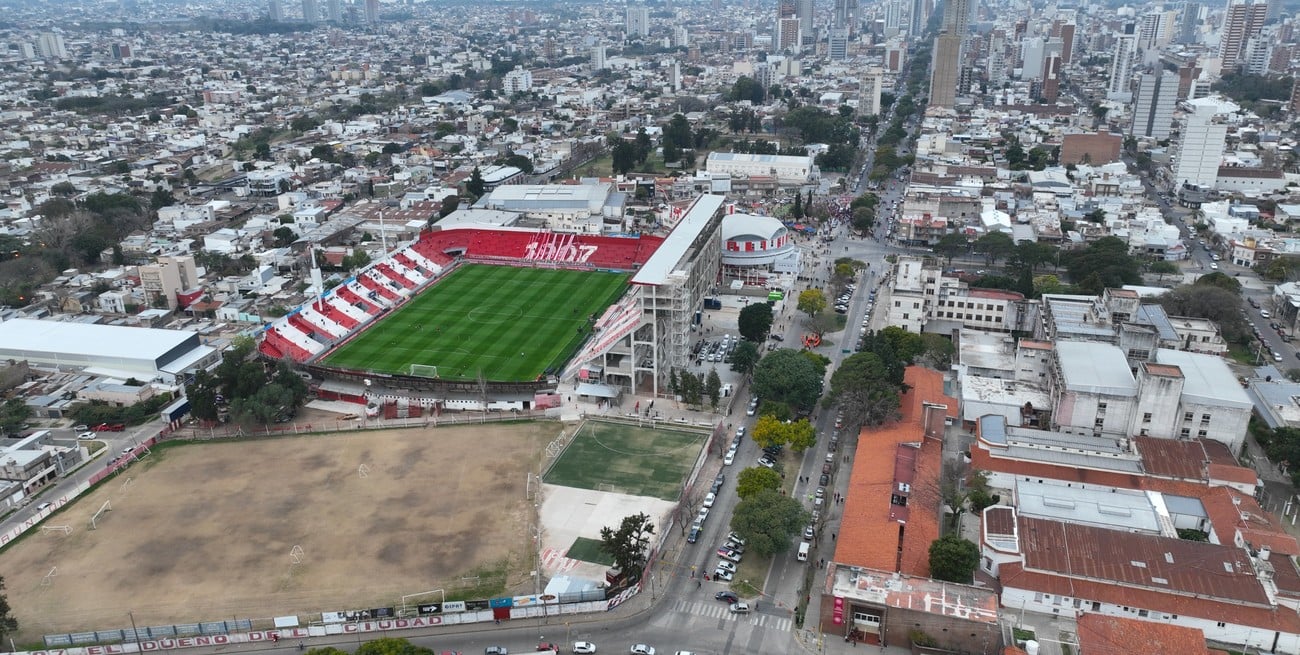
x=424, y=370
x=50, y=529
x=94, y=519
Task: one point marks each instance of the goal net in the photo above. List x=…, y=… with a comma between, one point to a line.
x=424, y=370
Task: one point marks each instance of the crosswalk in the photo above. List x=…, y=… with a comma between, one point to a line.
x=720, y=610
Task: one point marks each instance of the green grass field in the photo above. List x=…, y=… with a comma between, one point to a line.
x=589, y=550
x=513, y=323
x=635, y=461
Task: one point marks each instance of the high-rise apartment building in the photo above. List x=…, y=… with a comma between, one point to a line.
x=1200, y=147
x=1065, y=31
x=310, y=12
x=274, y=11
x=1121, y=64
x=803, y=10
x=372, y=11
x=837, y=44
x=1241, y=20
x=334, y=11
x=598, y=59
x=50, y=46
x=1031, y=58
x=787, y=34
x=945, y=70
x=869, y=90
x=1189, y=23
x=893, y=17
x=636, y=22
x=1051, y=77
x=1153, y=109
x=1258, y=54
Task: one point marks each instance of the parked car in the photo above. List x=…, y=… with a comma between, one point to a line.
x=730, y=554
x=86, y=436
x=728, y=459
x=717, y=482
x=584, y=648
x=642, y=649
x=732, y=536
x=693, y=536
x=808, y=533
x=495, y=650
x=766, y=462
x=709, y=499
x=725, y=576
x=724, y=565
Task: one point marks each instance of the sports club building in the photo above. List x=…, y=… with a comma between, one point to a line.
x=755, y=248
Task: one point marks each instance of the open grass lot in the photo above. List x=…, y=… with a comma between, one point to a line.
x=204, y=531
x=631, y=460
x=513, y=323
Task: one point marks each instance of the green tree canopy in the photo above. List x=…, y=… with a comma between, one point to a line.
x=391, y=646
x=769, y=521
x=995, y=246
x=811, y=302
x=745, y=357
x=755, y=480
x=754, y=321
x=786, y=376
x=627, y=545
x=863, y=391
x=953, y=559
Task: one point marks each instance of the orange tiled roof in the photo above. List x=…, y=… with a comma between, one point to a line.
x=869, y=536
x=1116, y=635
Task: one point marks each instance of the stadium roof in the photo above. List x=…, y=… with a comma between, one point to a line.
x=735, y=226
x=87, y=340
x=678, y=242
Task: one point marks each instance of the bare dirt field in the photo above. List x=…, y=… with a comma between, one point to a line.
x=205, y=531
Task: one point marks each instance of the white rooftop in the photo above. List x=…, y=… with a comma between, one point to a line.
x=1206, y=378
x=1095, y=368
x=1115, y=509
x=54, y=339
x=678, y=243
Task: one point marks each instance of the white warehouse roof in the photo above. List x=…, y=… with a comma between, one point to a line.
x=1207, y=380
x=88, y=344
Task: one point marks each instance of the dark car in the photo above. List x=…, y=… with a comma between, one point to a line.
x=825, y=479
x=694, y=536
x=717, y=482
x=726, y=596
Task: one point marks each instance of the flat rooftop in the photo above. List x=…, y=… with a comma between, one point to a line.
x=1206, y=378
x=86, y=343
x=1095, y=368
x=1119, y=509
x=677, y=244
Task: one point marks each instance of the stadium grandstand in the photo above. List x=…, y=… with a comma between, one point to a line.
x=634, y=344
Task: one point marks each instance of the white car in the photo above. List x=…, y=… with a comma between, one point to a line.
x=708, y=500
x=723, y=575
x=703, y=515
x=724, y=565
x=642, y=649
x=86, y=436
x=584, y=648
x=729, y=459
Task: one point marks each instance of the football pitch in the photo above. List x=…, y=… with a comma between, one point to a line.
x=509, y=323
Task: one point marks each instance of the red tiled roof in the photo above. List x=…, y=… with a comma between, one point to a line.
x=1166, y=565
x=1231, y=511
x=871, y=535
x=1172, y=458
x=1013, y=575
x=1117, y=635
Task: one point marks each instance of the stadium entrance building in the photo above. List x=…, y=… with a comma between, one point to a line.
x=754, y=248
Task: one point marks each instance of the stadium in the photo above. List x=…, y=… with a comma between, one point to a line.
x=477, y=318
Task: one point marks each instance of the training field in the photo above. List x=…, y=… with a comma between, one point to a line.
x=205, y=531
x=627, y=460
x=513, y=323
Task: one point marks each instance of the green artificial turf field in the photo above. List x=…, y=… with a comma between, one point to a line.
x=627, y=459
x=513, y=323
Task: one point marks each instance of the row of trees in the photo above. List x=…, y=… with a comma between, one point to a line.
x=694, y=389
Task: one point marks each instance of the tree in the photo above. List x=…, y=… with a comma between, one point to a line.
x=953, y=559
x=284, y=236
x=754, y=321
x=950, y=245
x=862, y=389
x=627, y=544
x=475, y=186
x=713, y=388
x=13, y=414
x=769, y=521
x=995, y=246
x=449, y=205
x=1212, y=302
x=391, y=646
x=755, y=480
x=745, y=357
x=864, y=219
x=1104, y=264
x=8, y=624
x=1163, y=268
x=797, y=210
x=811, y=302
x=624, y=157
x=786, y=376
